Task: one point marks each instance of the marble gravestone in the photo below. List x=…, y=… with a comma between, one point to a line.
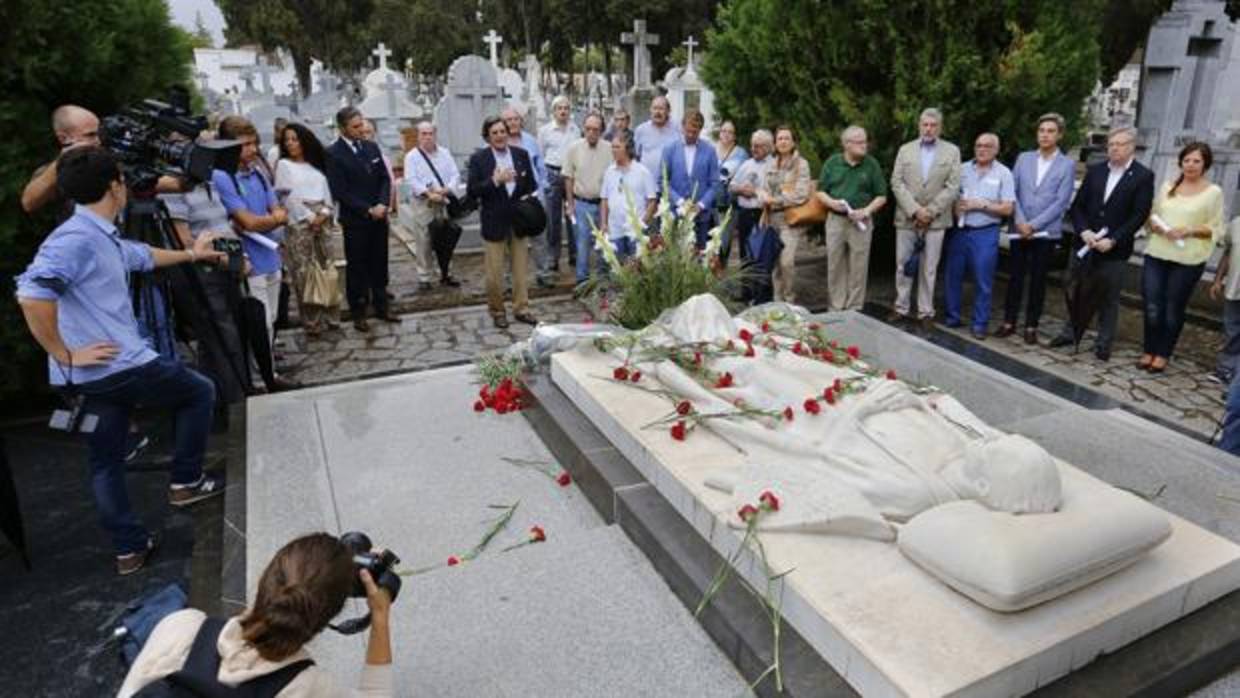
x=387, y=101
x=472, y=93
x=885, y=624
x=685, y=90
x=642, y=93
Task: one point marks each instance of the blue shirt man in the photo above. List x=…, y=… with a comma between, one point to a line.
x=84, y=267
x=250, y=191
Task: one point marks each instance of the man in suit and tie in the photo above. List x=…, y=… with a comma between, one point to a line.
x=500, y=176
x=692, y=174
x=925, y=181
x=1044, y=180
x=361, y=186
x=1112, y=204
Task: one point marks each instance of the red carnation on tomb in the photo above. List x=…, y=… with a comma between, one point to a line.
x=747, y=512
x=766, y=327
x=725, y=381
x=621, y=373
x=797, y=348
x=837, y=385
x=453, y=561
x=749, y=351
x=853, y=351
x=891, y=374
x=812, y=406
x=678, y=431
x=479, y=406
x=789, y=414
x=564, y=479
x=745, y=335
x=683, y=407
x=769, y=501
x=829, y=396
x=537, y=534
x=636, y=376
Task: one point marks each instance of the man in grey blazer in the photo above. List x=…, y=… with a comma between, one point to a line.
x=1044, y=179
x=925, y=181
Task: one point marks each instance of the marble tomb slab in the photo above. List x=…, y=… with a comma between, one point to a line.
x=888, y=627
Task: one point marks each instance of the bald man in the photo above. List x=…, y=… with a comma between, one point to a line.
x=73, y=127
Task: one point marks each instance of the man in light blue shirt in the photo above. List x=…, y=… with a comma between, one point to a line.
x=987, y=196
x=76, y=301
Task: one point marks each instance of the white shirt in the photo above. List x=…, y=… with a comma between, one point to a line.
x=420, y=178
x=554, y=139
x=1113, y=176
x=504, y=159
x=928, y=151
x=306, y=186
x=650, y=140
x=1044, y=166
x=619, y=184
x=751, y=172
x=690, y=155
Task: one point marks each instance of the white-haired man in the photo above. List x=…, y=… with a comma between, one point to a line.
x=553, y=139
x=432, y=177
x=853, y=187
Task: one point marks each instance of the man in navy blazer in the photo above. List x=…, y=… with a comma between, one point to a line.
x=500, y=176
x=362, y=189
x=693, y=173
x=1112, y=204
x=1044, y=180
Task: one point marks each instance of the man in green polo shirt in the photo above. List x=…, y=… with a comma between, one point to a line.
x=853, y=187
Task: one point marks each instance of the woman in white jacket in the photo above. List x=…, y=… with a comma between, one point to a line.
x=304, y=586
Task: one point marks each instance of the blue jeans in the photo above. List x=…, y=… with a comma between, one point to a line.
x=162, y=382
x=1230, y=440
x=701, y=226
x=587, y=219
x=625, y=248
x=1165, y=290
x=975, y=250
x=553, y=202
x=1229, y=357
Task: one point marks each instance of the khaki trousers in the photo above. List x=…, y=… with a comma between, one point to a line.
x=848, y=264
x=518, y=249
x=416, y=215
x=784, y=277
x=906, y=239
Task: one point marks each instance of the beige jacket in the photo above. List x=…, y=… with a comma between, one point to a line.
x=789, y=186
x=168, y=647
x=938, y=193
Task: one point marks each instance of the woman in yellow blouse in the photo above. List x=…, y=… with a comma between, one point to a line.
x=788, y=185
x=1185, y=224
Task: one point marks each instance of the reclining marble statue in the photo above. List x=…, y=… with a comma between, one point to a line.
x=883, y=454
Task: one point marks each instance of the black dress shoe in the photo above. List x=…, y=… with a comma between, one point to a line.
x=500, y=321
x=449, y=281
x=1031, y=335
x=527, y=318
x=361, y=325
x=1060, y=341
x=1005, y=330
x=388, y=316
x=926, y=324
x=1102, y=354
x=979, y=335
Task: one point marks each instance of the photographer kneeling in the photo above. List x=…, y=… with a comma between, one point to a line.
x=304, y=586
x=75, y=297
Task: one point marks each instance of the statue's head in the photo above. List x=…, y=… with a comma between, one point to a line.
x=1012, y=473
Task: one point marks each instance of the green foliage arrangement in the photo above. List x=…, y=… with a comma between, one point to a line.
x=101, y=55
x=666, y=271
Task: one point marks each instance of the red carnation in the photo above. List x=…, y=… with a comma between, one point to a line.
x=697, y=358
x=725, y=381
x=484, y=392
x=797, y=348
x=769, y=501
x=837, y=385
x=788, y=413
x=745, y=335
x=828, y=355
x=636, y=376
x=564, y=479
x=501, y=407
x=537, y=534
x=453, y=561
x=853, y=351
x=747, y=512
x=812, y=406
x=683, y=407
x=505, y=385
x=621, y=373
x=814, y=327
x=479, y=406
x=748, y=350
x=829, y=396
x=766, y=327
x=678, y=431
x=891, y=374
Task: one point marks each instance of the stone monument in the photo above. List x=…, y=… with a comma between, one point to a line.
x=535, y=102
x=643, y=92
x=493, y=40
x=685, y=90
x=1190, y=90
x=472, y=93
x=387, y=101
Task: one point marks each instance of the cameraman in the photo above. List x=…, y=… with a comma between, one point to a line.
x=75, y=297
x=73, y=127
x=304, y=586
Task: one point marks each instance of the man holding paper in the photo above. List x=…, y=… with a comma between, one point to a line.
x=852, y=186
x=987, y=196
x=1044, y=179
x=1112, y=204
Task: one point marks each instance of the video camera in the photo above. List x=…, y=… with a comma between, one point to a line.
x=156, y=138
x=381, y=567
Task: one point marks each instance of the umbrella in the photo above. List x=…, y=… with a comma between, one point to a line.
x=445, y=233
x=764, y=249
x=1083, y=292
x=914, y=260
x=10, y=510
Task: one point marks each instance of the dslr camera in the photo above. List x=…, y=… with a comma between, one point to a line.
x=379, y=565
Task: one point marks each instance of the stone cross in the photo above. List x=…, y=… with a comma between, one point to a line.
x=1204, y=48
x=265, y=70
x=494, y=40
x=390, y=87
x=294, y=89
x=640, y=40
x=689, y=43
x=382, y=52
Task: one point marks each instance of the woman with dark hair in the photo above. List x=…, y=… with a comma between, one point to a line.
x=1185, y=224
x=301, y=178
x=787, y=185
x=304, y=586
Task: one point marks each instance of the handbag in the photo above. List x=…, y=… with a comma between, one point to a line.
x=322, y=286
x=456, y=208
x=528, y=217
x=812, y=212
